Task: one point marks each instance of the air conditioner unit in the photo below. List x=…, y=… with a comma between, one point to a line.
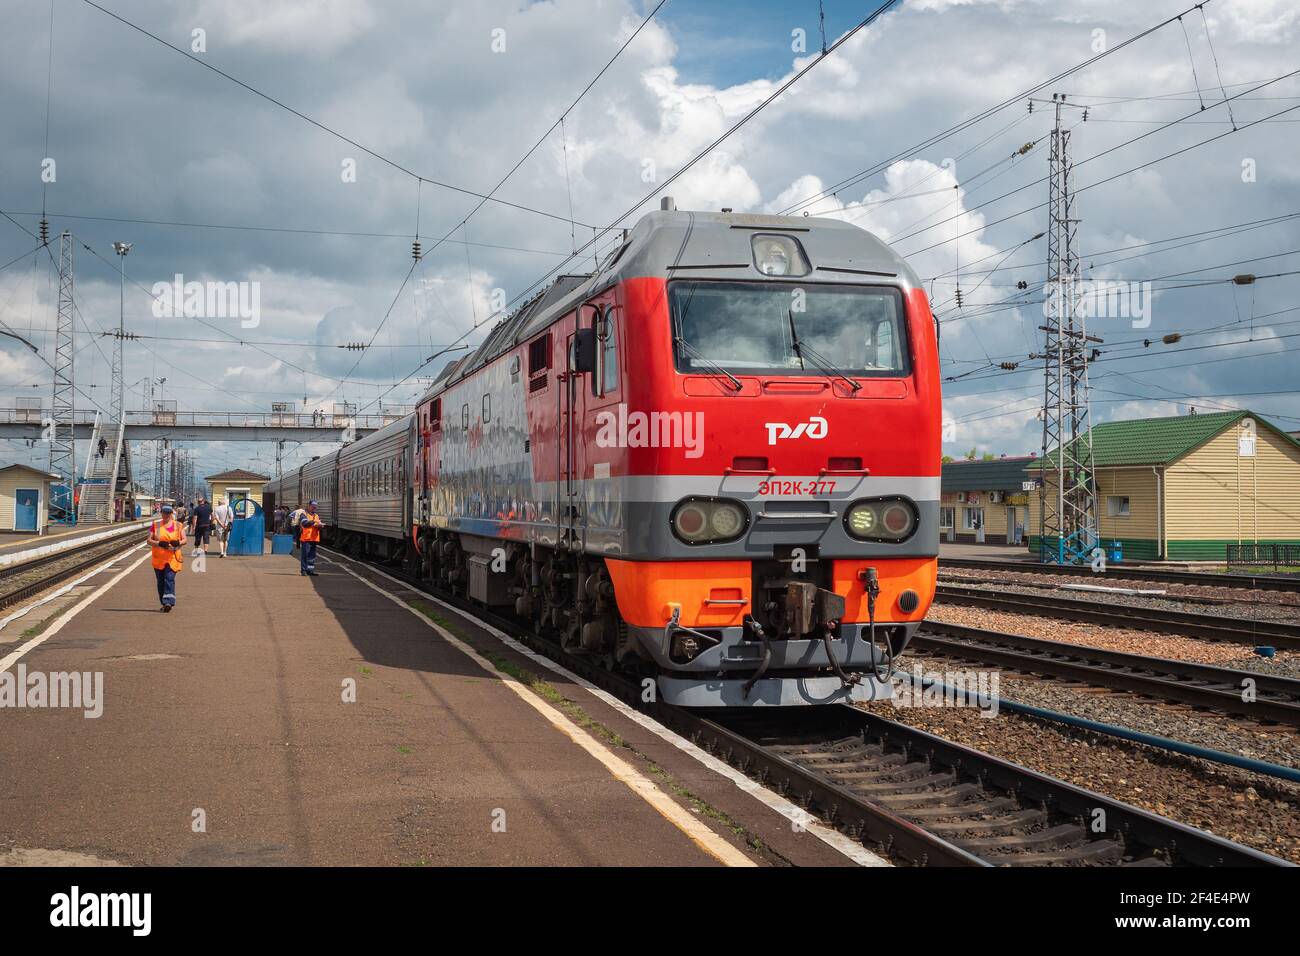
x=961, y=497
x=996, y=497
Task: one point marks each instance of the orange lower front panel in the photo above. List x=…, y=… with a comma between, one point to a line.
x=717, y=593
x=646, y=591
x=896, y=575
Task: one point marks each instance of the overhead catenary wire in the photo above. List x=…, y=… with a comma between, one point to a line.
x=1108, y=179
x=986, y=113
x=862, y=24
x=314, y=122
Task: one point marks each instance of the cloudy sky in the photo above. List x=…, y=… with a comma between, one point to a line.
x=212, y=181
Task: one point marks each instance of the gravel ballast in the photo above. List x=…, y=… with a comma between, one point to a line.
x=1127, y=640
x=1249, y=808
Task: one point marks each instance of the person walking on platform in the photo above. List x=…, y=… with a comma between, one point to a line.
x=166, y=541
x=223, y=516
x=309, y=532
x=293, y=521
x=201, y=525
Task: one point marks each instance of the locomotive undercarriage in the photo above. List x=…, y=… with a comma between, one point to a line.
x=794, y=650
x=568, y=597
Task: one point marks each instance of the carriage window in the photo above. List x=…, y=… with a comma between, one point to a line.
x=435, y=415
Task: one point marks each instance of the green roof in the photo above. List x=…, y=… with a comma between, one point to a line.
x=1160, y=441
x=1000, y=474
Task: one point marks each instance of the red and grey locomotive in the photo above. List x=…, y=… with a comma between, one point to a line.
x=714, y=461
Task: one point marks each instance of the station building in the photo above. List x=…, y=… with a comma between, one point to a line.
x=984, y=502
x=25, y=499
x=235, y=484
x=1183, y=488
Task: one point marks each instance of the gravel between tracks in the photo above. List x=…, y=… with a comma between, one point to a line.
x=1127, y=640
x=1282, y=606
x=1217, y=731
x=1252, y=809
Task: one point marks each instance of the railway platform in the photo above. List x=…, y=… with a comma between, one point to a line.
x=344, y=720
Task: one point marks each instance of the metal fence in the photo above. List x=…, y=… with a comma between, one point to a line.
x=30, y=411
x=1258, y=555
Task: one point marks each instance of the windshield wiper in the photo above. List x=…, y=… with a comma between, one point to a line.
x=708, y=364
x=819, y=360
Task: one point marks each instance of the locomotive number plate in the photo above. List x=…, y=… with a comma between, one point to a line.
x=778, y=486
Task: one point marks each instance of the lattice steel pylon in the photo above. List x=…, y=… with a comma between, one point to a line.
x=63, y=443
x=1067, y=495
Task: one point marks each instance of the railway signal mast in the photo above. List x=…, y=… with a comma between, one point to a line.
x=63, y=445
x=1067, y=499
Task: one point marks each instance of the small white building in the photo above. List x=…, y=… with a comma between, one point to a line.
x=24, y=499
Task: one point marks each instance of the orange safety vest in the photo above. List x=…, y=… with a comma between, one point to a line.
x=162, y=557
x=309, y=532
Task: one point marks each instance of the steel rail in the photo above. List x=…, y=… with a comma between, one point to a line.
x=1209, y=626
x=93, y=555
x=1276, y=699
x=1261, y=582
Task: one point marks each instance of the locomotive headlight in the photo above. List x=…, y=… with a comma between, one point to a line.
x=779, y=256
x=708, y=520
x=890, y=520
x=862, y=520
x=727, y=520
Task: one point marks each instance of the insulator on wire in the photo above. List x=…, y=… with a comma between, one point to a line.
x=45, y=232
x=1008, y=366
x=415, y=250
x=959, y=297
x=1172, y=337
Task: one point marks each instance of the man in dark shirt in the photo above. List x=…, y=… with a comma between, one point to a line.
x=201, y=524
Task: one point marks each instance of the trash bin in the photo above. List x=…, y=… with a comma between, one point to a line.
x=1116, y=552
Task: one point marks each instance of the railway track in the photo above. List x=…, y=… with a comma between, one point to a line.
x=974, y=809
x=1277, y=699
x=923, y=800
x=1208, y=626
x=19, y=582
x=1260, y=582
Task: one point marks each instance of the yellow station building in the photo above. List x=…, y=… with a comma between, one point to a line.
x=1185, y=487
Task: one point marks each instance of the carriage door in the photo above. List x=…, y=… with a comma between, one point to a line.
x=580, y=364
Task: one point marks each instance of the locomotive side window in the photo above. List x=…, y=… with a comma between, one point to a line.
x=605, y=380
x=435, y=415
x=788, y=329
x=464, y=416
x=487, y=409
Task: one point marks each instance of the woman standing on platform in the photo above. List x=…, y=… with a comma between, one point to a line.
x=166, y=539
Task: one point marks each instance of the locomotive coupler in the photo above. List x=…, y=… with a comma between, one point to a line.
x=675, y=626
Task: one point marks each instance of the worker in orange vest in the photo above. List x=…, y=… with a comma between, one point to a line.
x=166, y=539
x=309, y=525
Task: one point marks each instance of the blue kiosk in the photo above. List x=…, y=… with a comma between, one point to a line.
x=248, y=530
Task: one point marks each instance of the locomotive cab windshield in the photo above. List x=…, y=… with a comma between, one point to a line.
x=788, y=329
